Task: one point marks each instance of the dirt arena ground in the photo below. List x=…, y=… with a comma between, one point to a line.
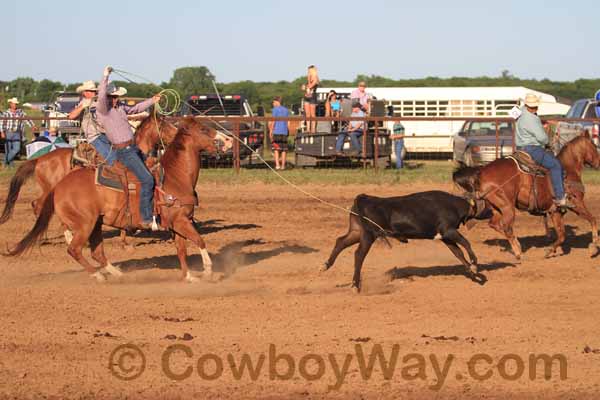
x=60, y=331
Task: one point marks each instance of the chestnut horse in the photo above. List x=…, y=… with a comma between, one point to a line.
x=505, y=188
x=83, y=206
x=51, y=168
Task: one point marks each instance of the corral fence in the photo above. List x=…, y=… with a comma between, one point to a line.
x=376, y=144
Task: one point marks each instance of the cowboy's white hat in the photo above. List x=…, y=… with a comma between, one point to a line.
x=14, y=100
x=112, y=90
x=87, y=85
x=531, y=100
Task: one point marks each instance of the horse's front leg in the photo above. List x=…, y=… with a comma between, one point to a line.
x=581, y=210
x=184, y=229
x=559, y=226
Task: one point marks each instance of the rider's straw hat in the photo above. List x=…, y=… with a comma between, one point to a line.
x=112, y=90
x=14, y=100
x=531, y=100
x=87, y=85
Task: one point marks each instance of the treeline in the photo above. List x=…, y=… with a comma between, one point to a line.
x=198, y=80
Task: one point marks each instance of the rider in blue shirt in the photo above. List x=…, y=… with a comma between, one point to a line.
x=532, y=139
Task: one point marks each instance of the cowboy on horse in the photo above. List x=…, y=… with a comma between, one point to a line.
x=93, y=131
x=532, y=139
x=113, y=116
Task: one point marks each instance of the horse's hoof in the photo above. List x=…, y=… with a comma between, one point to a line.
x=207, y=273
x=472, y=270
x=549, y=253
x=593, y=249
x=189, y=278
x=98, y=277
x=113, y=270
x=324, y=267
x=68, y=236
x=355, y=288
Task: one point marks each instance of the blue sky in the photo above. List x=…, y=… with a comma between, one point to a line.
x=265, y=40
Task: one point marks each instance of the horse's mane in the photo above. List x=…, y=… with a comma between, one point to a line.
x=571, y=145
x=178, y=143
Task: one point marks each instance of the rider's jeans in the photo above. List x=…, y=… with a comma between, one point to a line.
x=131, y=157
x=547, y=160
x=102, y=146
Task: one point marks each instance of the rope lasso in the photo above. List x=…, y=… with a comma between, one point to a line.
x=254, y=152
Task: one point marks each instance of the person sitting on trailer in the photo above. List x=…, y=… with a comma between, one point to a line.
x=355, y=130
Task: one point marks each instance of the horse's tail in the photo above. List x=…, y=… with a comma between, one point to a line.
x=467, y=178
x=40, y=227
x=24, y=172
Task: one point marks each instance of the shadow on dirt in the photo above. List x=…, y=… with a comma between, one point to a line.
x=203, y=228
x=572, y=241
x=229, y=258
x=445, y=270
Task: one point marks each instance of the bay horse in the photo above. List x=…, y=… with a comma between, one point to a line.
x=83, y=206
x=52, y=167
x=505, y=188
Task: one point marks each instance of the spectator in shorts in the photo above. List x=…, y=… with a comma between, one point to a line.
x=360, y=95
x=278, y=132
x=310, y=97
x=398, y=139
x=355, y=130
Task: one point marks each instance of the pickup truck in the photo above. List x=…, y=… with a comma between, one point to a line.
x=210, y=107
x=583, y=108
x=61, y=106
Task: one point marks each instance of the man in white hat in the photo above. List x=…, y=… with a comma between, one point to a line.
x=113, y=117
x=12, y=130
x=532, y=139
x=94, y=132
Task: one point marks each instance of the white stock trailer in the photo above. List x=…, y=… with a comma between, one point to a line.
x=436, y=137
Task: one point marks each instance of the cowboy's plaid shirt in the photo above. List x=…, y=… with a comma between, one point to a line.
x=14, y=125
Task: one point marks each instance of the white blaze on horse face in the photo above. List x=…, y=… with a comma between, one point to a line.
x=206, y=261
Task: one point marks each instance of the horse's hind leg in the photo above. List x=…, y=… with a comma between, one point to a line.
x=97, y=247
x=503, y=220
x=75, y=250
x=342, y=242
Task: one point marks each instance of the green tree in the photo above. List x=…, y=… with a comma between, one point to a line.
x=191, y=80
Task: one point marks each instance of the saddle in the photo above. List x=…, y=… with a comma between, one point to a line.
x=118, y=178
x=538, y=174
x=526, y=164
x=85, y=154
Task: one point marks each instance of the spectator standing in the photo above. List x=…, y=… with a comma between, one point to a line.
x=398, y=139
x=360, y=95
x=355, y=130
x=278, y=133
x=13, y=130
x=310, y=97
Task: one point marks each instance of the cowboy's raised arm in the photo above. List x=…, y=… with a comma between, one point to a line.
x=103, y=106
x=142, y=106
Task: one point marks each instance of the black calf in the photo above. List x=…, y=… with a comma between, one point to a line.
x=425, y=215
